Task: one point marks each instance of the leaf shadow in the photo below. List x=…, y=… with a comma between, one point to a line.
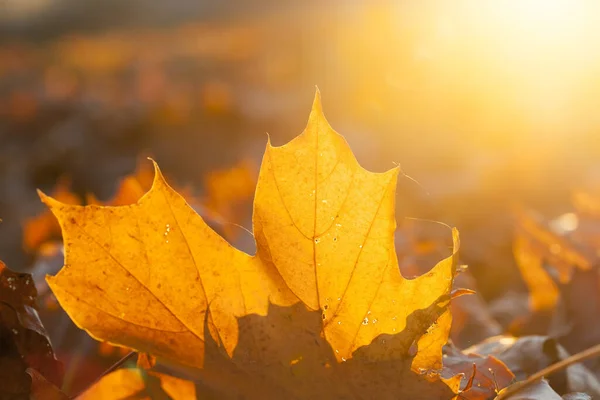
x=284, y=355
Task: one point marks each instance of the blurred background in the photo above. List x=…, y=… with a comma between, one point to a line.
x=487, y=105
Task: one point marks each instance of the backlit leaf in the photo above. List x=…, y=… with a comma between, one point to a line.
x=152, y=275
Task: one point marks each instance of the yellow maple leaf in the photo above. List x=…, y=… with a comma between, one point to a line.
x=152, y=275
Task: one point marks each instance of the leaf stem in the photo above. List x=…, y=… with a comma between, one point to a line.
x=108, y=371
x=591, y=352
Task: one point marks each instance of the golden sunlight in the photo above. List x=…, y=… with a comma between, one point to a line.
x=499, y=69
x=548, y=16
x=515, y=80
x=546, y=48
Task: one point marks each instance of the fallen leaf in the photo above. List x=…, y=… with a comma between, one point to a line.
x=486, y=374
x=23, y=339
x=150, y=275
x=530, y=354
x=131, y=383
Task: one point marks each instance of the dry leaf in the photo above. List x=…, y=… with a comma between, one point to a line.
x=485, y=374
x=24, y=342
x=530, y=354
x=152, y=275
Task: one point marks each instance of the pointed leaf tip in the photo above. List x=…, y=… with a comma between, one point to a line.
x=158, y=176
x=45, y=198
x=317, y=107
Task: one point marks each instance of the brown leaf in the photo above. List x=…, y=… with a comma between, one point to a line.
x=530, y=354
x=23, y=339
x=490, y=374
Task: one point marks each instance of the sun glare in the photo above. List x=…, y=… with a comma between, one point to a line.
x=543, y=22
x=547, y=13
x=546, y=48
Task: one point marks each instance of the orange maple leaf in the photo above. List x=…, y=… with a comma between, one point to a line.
x=154, y=277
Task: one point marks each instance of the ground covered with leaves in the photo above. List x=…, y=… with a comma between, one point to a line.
x=172, y=255
x=320, y=310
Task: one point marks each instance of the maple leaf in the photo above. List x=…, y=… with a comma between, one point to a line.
x=227, y=191
x=41, y=228
x=152, y=275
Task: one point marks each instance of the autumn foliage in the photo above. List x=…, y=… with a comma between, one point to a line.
x=321, y=310
x=154, y=277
